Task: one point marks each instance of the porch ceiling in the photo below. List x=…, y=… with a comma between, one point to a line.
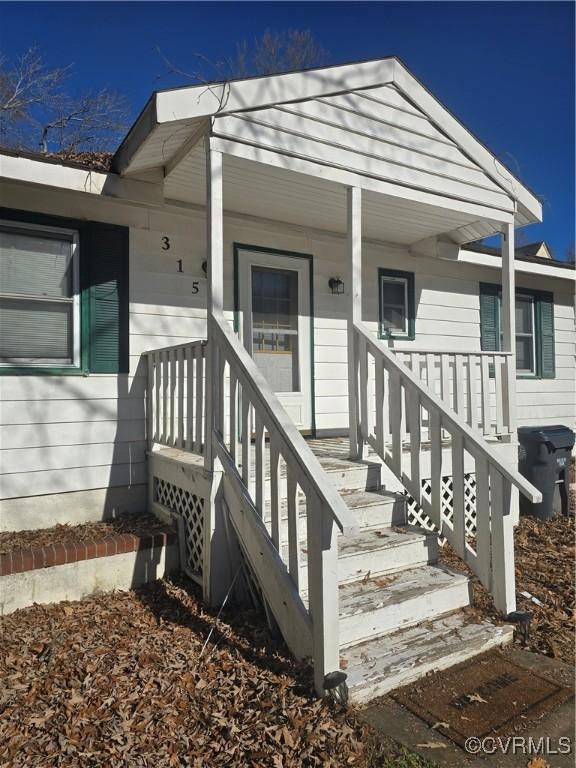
x=261, y=190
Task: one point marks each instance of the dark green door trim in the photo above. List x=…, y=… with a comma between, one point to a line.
x=294, y=254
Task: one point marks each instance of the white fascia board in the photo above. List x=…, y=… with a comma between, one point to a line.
x=495, y=262
x=261, y=92
x=438, y=113
x=36, y=172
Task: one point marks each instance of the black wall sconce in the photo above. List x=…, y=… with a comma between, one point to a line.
x=336, y=285
x=205, y=267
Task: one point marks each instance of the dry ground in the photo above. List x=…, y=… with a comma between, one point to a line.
x=544, y=554
x=119, y=680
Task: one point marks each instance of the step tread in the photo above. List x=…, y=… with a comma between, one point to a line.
x=380, y=538
x=361, y=597
x=373, y=540
x=364, y=499
x=382, y=664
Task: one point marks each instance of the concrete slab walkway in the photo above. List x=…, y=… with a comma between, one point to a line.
x=555, y=728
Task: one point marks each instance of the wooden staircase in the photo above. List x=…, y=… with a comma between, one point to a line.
x=348, y=582
x=399, y=609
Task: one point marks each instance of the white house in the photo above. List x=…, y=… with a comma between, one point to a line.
x=268, y=322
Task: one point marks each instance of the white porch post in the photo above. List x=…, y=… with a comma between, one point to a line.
x=509, y=325
x=215, y=287
x=354, y=214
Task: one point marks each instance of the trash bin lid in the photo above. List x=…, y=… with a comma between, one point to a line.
x=559, y=436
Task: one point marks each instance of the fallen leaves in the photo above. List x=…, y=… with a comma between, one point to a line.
x=124, y=685
x=544, y=554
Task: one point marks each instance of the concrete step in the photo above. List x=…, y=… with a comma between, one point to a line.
x=386, y=604
x=385, y=663
x=375, y=552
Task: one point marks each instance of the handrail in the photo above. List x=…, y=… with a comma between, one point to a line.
x=477, y=445
x=466, y=353
x=308, y=465
x=174, y=347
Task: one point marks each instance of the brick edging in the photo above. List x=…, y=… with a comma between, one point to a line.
x=20, y=560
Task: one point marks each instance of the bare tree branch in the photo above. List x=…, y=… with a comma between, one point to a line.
x=36, y=110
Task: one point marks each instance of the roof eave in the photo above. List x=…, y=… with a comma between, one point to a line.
x=145, y=123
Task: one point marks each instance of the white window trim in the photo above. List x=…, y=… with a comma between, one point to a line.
x=530, y=298
x=73, y=235
x=393, y=279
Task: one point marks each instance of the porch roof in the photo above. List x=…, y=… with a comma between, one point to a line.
x=458, y=173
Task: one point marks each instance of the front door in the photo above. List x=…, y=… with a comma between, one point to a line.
x=274, y=321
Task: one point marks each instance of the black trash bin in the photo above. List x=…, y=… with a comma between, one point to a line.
x=544, y=460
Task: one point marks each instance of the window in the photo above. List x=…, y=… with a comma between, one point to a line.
x=396, y=303
x=64, y=306
x=525, y=336
x=39, y=296
x=534, y=328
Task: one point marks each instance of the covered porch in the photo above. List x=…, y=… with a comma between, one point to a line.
x=395, y=173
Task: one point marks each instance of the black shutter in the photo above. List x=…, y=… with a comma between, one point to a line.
x=105, y=282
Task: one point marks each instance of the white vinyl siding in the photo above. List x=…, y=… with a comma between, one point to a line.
x=61, y=437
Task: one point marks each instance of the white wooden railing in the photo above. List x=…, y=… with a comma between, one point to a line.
x=469, y=383
x=395, y=402
x=175, y=396
x=281, y=498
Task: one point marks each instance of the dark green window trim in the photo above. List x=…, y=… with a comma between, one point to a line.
x=411, y=304
x=490, y=326
x=86, y=232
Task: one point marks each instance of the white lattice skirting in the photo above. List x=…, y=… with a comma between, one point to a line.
x=190, y=508
x=417, y=517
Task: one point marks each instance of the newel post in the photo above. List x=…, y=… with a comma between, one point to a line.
x=215, y=288
x=509, y=325
x=354, y=221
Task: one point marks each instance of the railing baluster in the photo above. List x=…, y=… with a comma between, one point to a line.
x=180, y=367
x=199, y=408
x=259, y=464
x=246, y=437
x=233, y=418
x=189, y=363
x=364, y=427
x=172, y=362
x=503, y=589
x=275, y=499
x=395, y=420
x=459, y=402
x=458, y=519
x=486, y=417
x=472, y=392
x=165, y=436
x=415, y=444
x=157, y=385
x=498, y=386
x=484, y=566
x=445, y=377
x=436, y=468
x=379, y=404
x=293, y=505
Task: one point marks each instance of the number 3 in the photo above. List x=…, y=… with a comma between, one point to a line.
x=165, y=243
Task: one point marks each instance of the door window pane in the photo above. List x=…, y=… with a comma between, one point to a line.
x=275, y=327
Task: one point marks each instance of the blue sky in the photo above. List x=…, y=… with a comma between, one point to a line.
x=505, y=69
